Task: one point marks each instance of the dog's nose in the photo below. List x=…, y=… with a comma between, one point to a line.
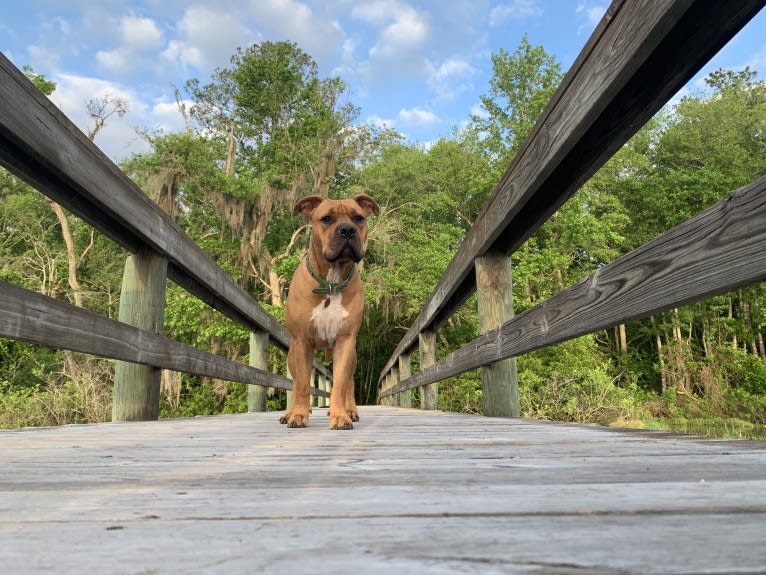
x=346, y=231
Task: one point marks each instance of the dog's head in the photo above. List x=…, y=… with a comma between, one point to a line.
x=340, y=226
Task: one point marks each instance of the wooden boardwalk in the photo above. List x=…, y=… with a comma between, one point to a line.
x=405, y=492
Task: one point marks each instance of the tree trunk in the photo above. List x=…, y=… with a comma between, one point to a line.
x=623, y=337
x=70, y=253
x=663, y=370
x=231, y=150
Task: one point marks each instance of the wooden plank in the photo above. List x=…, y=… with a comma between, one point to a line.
x=714, y=252
x=640, y=54
x=43, y=147
x=406, y=491
x=29, y=316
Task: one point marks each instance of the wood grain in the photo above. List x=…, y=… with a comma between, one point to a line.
x=714, y=252
x=427, y=351
x=43, y=147
x=29, y=316
x=406, y=491
x=499, y=380
x=259, y=359
x=640, y=54
x=136, y=394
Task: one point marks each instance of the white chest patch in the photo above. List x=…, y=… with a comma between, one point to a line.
x=328, y=320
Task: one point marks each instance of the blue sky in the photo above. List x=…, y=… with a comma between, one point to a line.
x=417, y=66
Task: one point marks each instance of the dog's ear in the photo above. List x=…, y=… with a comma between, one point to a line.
x=369, y=205
x=306, y=206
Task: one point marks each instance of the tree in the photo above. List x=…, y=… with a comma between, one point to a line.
x=522, y=84
x=286, y=133
x=689, y=157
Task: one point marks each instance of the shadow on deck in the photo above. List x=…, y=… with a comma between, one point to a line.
x=405, y=492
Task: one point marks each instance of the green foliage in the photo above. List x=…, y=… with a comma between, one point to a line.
x=461, y=394
x=269, y=129
x=205, y=397
x=46, y=86
x=522, y=84
x=572, y=382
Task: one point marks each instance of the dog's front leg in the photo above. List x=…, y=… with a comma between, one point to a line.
x=299, y=359
x=342, y=405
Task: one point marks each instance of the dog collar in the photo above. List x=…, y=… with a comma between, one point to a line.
x=329, y=288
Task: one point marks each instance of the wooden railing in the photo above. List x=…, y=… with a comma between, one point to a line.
x=41, y=146
x=640, y=54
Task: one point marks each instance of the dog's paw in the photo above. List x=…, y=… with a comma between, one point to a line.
x=353, y=414
x=341, y=422
x=295, y=420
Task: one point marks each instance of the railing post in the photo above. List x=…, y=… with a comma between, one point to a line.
x=499, y=381
x=389, y=399
x=427, y=349
x=288, y=393
x=136, y=395
x=314, y=399
x=259, y=358
x=405, y=371
x=323, y=385
x=397, y=397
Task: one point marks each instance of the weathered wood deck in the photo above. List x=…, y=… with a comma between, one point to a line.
x=405, y=492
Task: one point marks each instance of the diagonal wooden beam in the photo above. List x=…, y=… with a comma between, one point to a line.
x=639, y=56
x=43, y=147
x=714, y=252
x=29, y=316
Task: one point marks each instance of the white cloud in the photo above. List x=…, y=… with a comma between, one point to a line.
x=295, y=21
x=140, y=34
x=479, y=111
x=417, y=117
x=377, y=11
x=139, y=39
x=402, y=29
x=115, y=61
x=451, y=78
x=379, y=122
x=206, y=39
x=167, y=116
x=42, y=54
x=118, y=139
x=518, y=10
x=593, y=12
x=407, y=32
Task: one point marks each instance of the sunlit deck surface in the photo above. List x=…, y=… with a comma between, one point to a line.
x=405, y=492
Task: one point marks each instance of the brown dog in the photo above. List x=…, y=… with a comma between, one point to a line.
x=325, y=304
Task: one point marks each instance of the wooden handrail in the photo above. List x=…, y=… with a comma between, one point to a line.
x=42, y=146
x=30, y=316
x=640, y=54
x=716, y=251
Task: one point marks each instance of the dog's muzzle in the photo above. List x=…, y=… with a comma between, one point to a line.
x=346, y=244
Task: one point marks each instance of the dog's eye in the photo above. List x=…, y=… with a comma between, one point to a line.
x=326, y=219
x=357, y=219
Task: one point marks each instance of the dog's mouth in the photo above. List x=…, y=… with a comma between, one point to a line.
x=345, y=250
